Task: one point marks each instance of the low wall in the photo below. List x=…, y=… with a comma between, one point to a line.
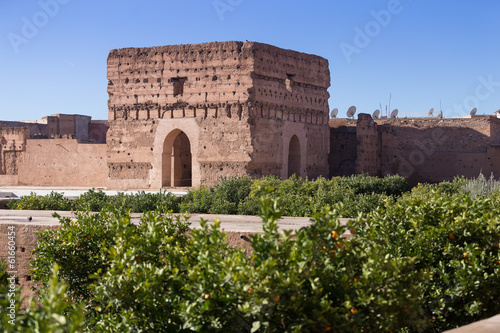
x=63, y=162
x=26, y=240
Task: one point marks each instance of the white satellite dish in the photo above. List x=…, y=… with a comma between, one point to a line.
x=394, y=113
x=473, y=112
x=376, y=114
x=431, y=112
x=440, y=115
x=351, y=112
x=334, y=113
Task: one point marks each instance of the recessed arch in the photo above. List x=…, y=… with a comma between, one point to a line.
x=176, y=160
x=294, y=157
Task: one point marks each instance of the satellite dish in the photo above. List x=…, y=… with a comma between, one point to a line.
x=351, y=112
x=440, y=115
x=431, y=112
x=376, y=114
x=394, y=113
x=334, y=113
x=473, y=112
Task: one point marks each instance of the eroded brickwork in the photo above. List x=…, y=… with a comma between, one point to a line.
x=239, y=104
x=427, y=149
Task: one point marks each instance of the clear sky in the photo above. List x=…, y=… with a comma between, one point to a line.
x=53, y=52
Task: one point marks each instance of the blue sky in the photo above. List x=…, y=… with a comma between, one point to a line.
x=419, y=51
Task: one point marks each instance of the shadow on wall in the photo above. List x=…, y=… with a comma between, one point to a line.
x=423, y=150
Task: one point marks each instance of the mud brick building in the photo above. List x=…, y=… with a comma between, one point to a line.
x=188, y=114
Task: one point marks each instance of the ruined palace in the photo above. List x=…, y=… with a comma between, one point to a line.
x=185, y=115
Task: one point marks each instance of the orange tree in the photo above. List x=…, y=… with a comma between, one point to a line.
x=454, y=239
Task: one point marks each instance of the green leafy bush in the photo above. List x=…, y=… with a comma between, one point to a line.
x=453, y=238
x=224, y=198
x=50, y=313
x=52, y=201
x=79, y=247
x=157, y=278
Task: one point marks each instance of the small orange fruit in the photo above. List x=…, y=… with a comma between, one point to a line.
x=335, y=234
x=277, y=298
x=496, y=244
x=333, y=253
x=356, y=278
x=452, y=236
x=78, y=244
x=88, y=237
x=339, y=245
x=250, y=290
x=354, y=310
x=207, y=296
x=465, y=255
x=328, y=329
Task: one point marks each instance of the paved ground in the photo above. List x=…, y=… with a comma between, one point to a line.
x=230, y=223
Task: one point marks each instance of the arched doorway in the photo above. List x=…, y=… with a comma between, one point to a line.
x=176, y=160
x=294, y=157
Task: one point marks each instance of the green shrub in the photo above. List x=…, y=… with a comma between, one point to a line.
x=51, y=313
x=198, y=200
x=53, y=201
x=79, y=247
x=452, y=237
x=156, y=278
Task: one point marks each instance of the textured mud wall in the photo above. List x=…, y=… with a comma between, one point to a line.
x=368, y=151
x=290, y=99
x=63, y=162
x=343, y=147
x=238, y=103
x=12, y=149
x=26, y=240
x=429, y=149
x=203, y=86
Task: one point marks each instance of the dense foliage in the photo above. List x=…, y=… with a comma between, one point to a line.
x=424, y=260
x=297, y=197
x=97, y=200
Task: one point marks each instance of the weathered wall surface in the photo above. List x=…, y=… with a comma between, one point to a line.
x=238, y=101
x=26, y=240
x=63, y=162
x=428, y=149
x=290, y=99
x=343, y=147
x=200, y=89
x=12, y=150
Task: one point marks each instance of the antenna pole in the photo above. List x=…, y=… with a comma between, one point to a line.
x=390, y=95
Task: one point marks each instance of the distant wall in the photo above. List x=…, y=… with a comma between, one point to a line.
x=428, y=149
x=63, y=162
x=343, y=147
